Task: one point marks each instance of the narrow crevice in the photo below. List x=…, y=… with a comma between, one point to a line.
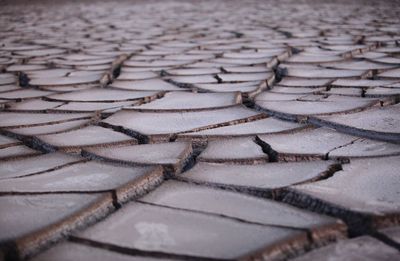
x=341, y=146
x=180, y=85
x=273, y=156
x=139, y=252
x=385, y=239
x=198, y=148
x=358, y=223
x=142, y=139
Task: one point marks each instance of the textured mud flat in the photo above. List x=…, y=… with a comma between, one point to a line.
x=200, y=130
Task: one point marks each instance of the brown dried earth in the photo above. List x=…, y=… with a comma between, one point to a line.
x=199, y=130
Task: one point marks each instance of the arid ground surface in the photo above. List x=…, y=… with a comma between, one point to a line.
x=199, y=130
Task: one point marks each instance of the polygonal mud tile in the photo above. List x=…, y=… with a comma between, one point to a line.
x=234, y=150
x=33, y=221
x=171, y=155
x=7, y=78
x=35, y=164
x=23, y=94
x=70, y=251
x=7, y=142
x=359, y=65
x=104, y=95
x=146, y=228
x=301, y=82
x=49, y=128
x=358, y=188
x=91, y=106
x=16, y=151
x=362, y=248
x=382, y=123
x=192, y=79
x=360, y=83
x=145, y=85
x=313, y=58
x=322, y=143
x=163, y=125
x=137, y=75
x=296, y=109
x=229, y=87
x=189, y=101
x=125, y=182
x=390, y=74
x=90, y=136
x=266, y=179
x=194, y=71
x=53, y=81
x=262, y=126
x=33, y=105
x=250, y=209
x=244, y=77
x=323, y=73
x=14, y=119
x=41, y=52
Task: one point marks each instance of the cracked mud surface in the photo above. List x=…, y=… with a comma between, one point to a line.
x=200, y=130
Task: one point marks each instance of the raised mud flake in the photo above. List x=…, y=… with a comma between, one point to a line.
x=92, y=177
x=262, y=126
x=162, y=230
x=187, y=101
x=172, y=155
x=361, y=248
x=14, y=119
x=86, y=137
x=103, y=95
x=250, y=209
x=168, y=123
x=33, y=221
x=145, y=85
x=359, y=187
x=263, y=179
x=381, y=123
x=69, y=251
x=36, y=164
x=236, y=150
